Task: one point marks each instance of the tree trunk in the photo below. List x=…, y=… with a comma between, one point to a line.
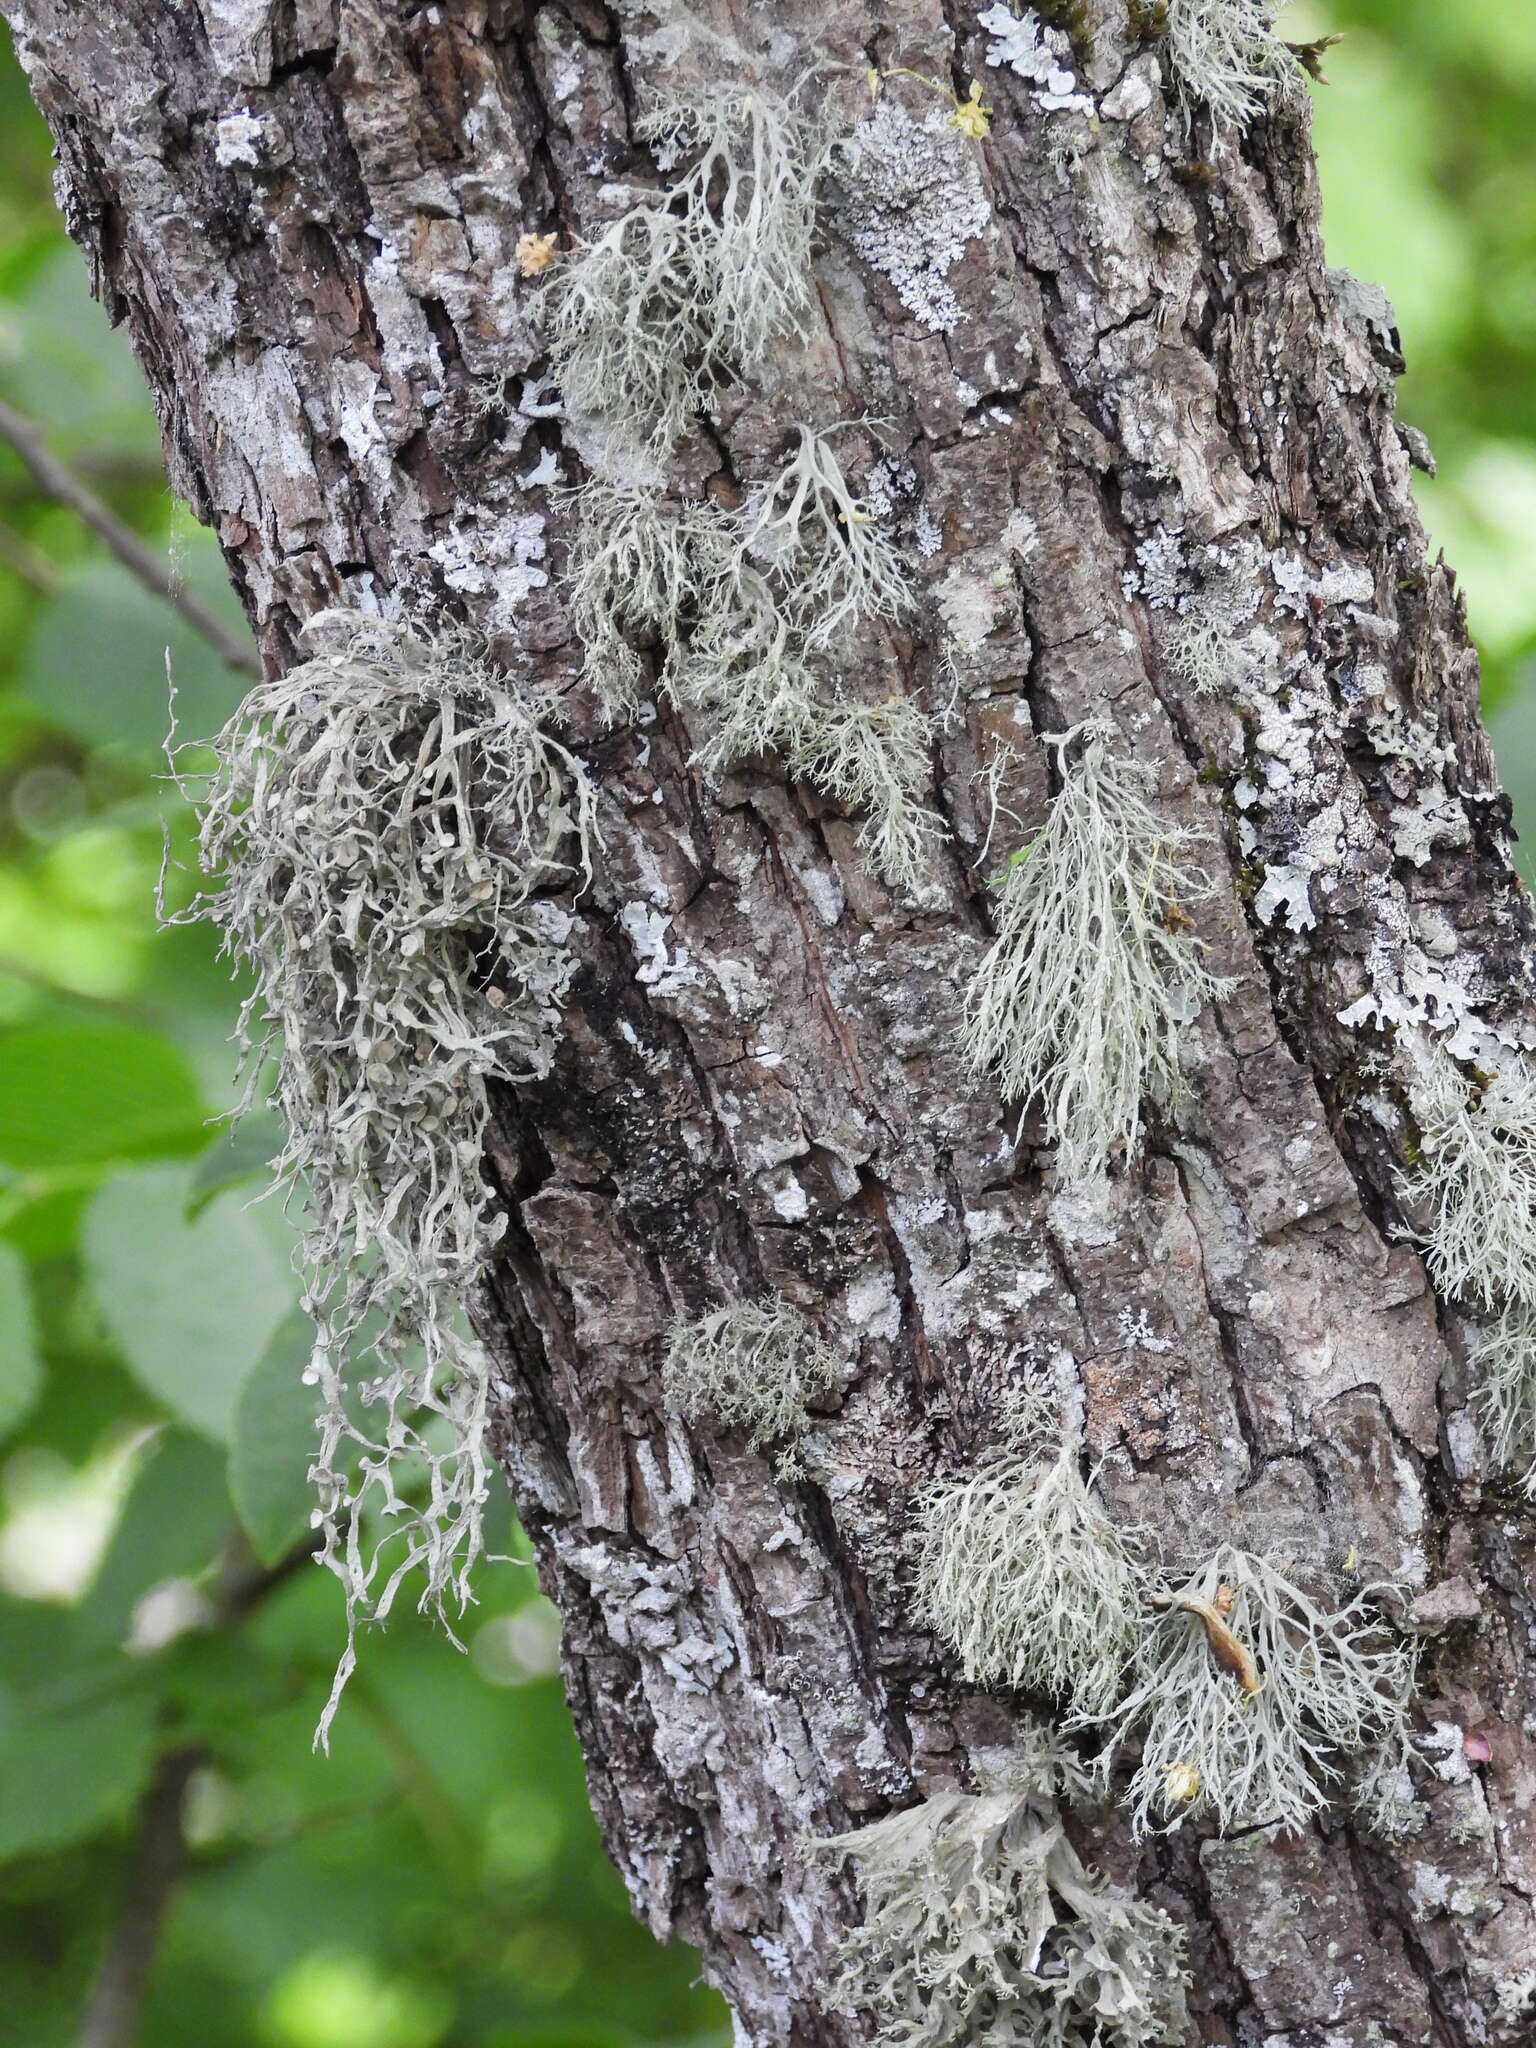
x=306, y=213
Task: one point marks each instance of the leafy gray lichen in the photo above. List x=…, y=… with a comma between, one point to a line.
x=1086, y=998
x=982, y=1924
x=910, y=197
x=753, y=1368
x=1250, y=1702
x=382, y=821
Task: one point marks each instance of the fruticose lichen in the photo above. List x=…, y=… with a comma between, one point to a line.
x=1503, y=1350
x=382, y=821
x=982, y=1924
x=1021, y=1573
x=1086, y=997
x=1251, y=1703
x=748, y=607
x=910, y=197
x=697, y=280
x=1226, y=56
x=1476, y=1174
x=754, y=1368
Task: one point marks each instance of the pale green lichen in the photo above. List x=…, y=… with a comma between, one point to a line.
x=982, y=1924
x=696, y=280
x=1503, y=1352
x=384, y=822
x=754, y=1368
x=1021, y=1573
x=1476, y=1176
x=1263, y=1733
x=1086, y=999
x=1226, y=56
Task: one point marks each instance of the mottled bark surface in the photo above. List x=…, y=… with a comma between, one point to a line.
x=760, y=1086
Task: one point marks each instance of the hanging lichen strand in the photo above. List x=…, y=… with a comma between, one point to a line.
x=1020, y=1572
x=750, y=608
x=381, y=821
x=699, y=282
x=1087, y=997
x=982, y=1924
x=1475, y=1176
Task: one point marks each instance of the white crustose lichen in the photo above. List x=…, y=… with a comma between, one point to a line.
x=1250, y=1702
x=753, y=1368
x=909, y=198
x=983, y=1924
x=1086, y=998
x=1020, y=1572
x=699, y=279
x=382, y=822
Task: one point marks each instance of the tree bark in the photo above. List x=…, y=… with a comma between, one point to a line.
x=759, y=1087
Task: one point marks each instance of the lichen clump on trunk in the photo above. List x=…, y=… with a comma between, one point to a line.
x=383, y=821
x=1226, y=56
x=1475, y=1175
x=982, y=1923
x=1086, y=999
x=1252, y=1704
x=1021, y=1573
x=754, y=1368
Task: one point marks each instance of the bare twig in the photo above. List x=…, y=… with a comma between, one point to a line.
x=113, y=2010
x=61, y=484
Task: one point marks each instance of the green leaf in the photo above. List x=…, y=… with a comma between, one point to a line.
x=21, y=1372
x=272, y=1444
x=238, y=1156
x=174, y=1524
x=74, y=1094
x=67, y=1775
x=190, y=1305
x=95, y=665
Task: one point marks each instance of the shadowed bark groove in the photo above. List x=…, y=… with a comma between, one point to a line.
x=306, y=212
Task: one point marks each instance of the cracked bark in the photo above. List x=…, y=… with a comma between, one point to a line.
x=772, y=1100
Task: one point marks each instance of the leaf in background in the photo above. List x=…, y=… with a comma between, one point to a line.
x=190, y=1305
x=21, y=1372
x=95, y=665
x=272, y=1444
x=66, y=1774
x=75, y=1093
x=174, y=1524
x=236, y=1157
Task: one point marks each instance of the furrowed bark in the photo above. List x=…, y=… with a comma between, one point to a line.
x=759, y=1087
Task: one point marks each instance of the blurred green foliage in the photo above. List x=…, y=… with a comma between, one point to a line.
x=437, y=1880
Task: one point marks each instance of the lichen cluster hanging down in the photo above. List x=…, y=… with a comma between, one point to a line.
x=982, y=1923
x=1020, y=1572
x=382, y=822
x=752, y=609
x=1088, y=995
x=1475, y=1176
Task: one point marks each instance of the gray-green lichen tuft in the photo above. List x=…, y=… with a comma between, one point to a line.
x=1087, y=997
x=754, y=1368
x=1226, y=56
x=1021, y=1573
x=983, y=1924
x=1252, y=1704
x=383, y=823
